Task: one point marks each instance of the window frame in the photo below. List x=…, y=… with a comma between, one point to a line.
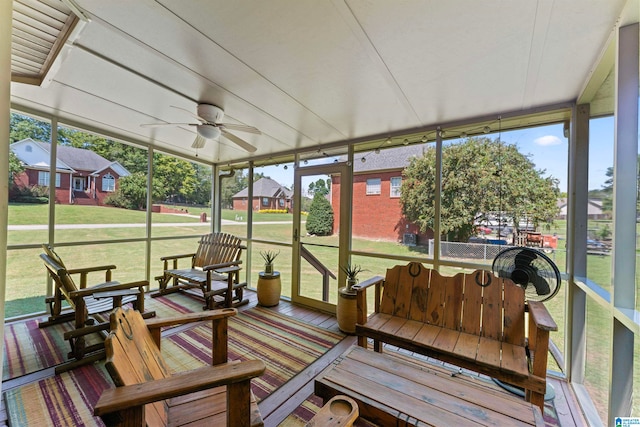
x=394, y=190
x=108, y=178
x=371, y=187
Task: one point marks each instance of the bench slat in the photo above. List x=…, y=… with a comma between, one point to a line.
x=453, y=298
x=436, y=302
x=489, y=352
x=514, y=359
x=472, y=301
x=492, y=320
x=514, y=315
x=467, y=346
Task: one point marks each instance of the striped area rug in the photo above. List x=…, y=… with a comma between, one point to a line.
x=285, y=344
x=28, y=349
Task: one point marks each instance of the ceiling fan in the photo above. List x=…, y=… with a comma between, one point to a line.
x=210, y=126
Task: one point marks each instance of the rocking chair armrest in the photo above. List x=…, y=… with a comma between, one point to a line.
x=91, y=269
x=127, y=397
x=221, y=265
x=108, y=287
x=170, y=257
x=227, y=270
x=157, y=322
x=540, y=316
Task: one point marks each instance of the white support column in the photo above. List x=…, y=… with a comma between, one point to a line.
x=6, y=12
x=437, y=199
x=625, y=175
x=575, y=336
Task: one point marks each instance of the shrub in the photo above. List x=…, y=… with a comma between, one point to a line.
x=274, y=211
x=320, y=218
x=36, y=194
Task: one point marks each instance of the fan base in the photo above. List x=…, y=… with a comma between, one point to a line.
x=549, y=395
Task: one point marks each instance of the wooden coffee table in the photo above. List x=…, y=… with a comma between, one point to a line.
x=398, y=390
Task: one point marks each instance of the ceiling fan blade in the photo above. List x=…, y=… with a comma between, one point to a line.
x=190, y=113
x=199, y=142
x=239, y=142
x=241, y=128
x=155, y=125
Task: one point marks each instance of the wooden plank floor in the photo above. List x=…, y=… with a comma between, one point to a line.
x=276, y=407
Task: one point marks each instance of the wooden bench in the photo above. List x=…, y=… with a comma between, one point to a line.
x=214, y=272
x=475, y=321
x=88, y=306
x=148, y=395
x=395, y=390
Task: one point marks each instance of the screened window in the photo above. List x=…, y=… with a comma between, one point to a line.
x=373, y=186
x=108, y=183
x=281, y=203
x=265, y=201
x=396, y=182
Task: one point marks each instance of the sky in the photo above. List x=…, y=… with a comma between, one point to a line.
x=547, y=146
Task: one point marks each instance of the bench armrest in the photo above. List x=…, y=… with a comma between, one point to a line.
x=170, y=257
x=219, y=347
x=221, y=265
x=128, y=397
x=367, y=283
x=158, y=322
x=108, y=287
x=539, y=315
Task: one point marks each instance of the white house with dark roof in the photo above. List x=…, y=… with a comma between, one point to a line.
x=267, y=194
x=82, y=176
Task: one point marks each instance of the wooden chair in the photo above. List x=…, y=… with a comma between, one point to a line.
x=85, y=304
x=147, y=393
x=214, y=272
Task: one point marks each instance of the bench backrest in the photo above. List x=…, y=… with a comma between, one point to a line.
x=134, y=358
x=63, y=281
x=478, y=303
x=217, y=248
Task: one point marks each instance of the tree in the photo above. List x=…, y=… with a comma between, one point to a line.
x=320, y=218
x=15, y=166
x=131, y=193
x=480, y=176
x=321, y=187
x=22, y=127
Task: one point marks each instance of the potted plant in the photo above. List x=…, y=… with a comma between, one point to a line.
x=352, y=272
x=347, y=309
x=269, y=286
x=268, y=257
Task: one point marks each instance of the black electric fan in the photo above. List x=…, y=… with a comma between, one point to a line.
x=538, y=275
x=531, y=269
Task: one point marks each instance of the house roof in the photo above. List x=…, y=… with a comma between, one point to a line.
x=388, y=159
x=264, y=187
x=69, y=158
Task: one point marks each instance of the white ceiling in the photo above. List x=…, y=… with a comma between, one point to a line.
x=313, y=72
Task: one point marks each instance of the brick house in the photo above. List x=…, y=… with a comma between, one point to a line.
x=267, y=194
x=377, y=213
x=81, y=177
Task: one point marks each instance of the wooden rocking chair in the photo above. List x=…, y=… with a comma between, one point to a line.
x=148, y=395
x=85, y=304
x=214, y=272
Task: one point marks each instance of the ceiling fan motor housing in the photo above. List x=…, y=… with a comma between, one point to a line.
x=211, y=113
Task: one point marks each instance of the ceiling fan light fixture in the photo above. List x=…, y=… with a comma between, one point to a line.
x=208, y=131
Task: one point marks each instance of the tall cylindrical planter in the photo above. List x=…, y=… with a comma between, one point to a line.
x=346, y=311
x=269, y=288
